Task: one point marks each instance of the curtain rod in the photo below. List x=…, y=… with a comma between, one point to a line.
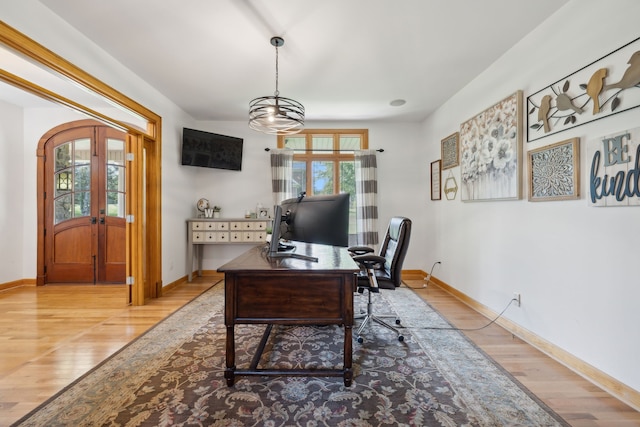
x=379, y=150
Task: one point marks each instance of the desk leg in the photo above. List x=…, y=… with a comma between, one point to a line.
x=229, y=372
x=348, y=355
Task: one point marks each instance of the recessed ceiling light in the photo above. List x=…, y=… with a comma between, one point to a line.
x=397, y=102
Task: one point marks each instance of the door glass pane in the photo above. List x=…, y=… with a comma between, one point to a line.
x=299, y=176
x=82, y=178
x=62, y=208
x=115, y=190
x=62, y=154
x=115, y=203
x=63, y=174
x=115, y=177
x=81, y=203
x=115, y=198
x=322, y=177
x=72, y=180
x=63, y=182
x=115, y=151
x=82, y=151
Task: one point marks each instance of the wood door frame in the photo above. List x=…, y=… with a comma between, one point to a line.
x=143, y=274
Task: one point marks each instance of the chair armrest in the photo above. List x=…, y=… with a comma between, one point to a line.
x=360, y=250
x=370, y=261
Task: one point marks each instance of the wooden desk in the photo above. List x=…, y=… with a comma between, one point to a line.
x=288, y=291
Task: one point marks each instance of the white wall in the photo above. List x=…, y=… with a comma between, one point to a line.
x=574, y=265
x=11, y=194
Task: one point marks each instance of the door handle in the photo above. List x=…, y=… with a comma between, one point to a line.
x=93, y=220
x=101, y=220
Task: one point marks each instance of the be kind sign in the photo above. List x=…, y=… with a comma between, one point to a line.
x=614, y=169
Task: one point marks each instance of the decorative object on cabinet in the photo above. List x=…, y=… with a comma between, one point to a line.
x=450, y=187
x=262, y=213
x=607, y=86
x=449, y=152
x=614, y=169
x=554, y=171
x=202, y=204
x=490, y=151
x=435, y=180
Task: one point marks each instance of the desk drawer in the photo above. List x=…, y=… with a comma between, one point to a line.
x=306, y=300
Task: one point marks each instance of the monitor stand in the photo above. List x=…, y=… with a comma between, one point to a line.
x=287, y=251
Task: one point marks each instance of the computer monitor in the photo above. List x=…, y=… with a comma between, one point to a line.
x=316, y=219
x=278, y=249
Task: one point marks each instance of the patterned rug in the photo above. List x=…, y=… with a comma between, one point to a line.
x=174, y=376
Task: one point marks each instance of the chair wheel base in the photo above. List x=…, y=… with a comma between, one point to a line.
x=361, y=340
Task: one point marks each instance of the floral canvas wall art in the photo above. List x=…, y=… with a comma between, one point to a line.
x=490, y=152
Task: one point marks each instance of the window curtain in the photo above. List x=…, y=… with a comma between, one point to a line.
x=366, y=197
x=281, y=175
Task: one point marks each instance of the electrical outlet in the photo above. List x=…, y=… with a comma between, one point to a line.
x=516, y=298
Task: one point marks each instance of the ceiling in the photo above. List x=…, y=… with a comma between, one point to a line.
x=342, y=59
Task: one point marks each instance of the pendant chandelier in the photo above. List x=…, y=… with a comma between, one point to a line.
x=274, y=114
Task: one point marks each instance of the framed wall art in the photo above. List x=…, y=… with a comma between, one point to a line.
x=614, y=169
x=436, y=172
x=450, y=187
x=449, y=151
x=554, y=171
x=490, y=152
x=606, y=86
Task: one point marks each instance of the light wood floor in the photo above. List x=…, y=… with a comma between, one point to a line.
x=51, y=335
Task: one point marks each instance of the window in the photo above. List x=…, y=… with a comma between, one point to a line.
x=323, y=162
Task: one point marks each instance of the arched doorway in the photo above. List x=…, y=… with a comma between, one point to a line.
x=84, y=200
x=143, y=151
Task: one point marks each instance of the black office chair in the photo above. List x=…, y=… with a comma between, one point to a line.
x=382, y=271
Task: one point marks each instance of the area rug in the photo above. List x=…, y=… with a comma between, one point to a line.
x=174, y=376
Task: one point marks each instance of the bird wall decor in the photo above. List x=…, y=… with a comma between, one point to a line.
x=543, y=112
x=594, y=87
x=631, y=76
x=559, y=107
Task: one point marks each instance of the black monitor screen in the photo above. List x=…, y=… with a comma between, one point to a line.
x=317, y=219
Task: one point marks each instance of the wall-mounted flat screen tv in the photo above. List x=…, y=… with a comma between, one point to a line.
x=211, y=150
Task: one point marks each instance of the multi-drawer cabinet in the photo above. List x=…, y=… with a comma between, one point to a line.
x=205, y=231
